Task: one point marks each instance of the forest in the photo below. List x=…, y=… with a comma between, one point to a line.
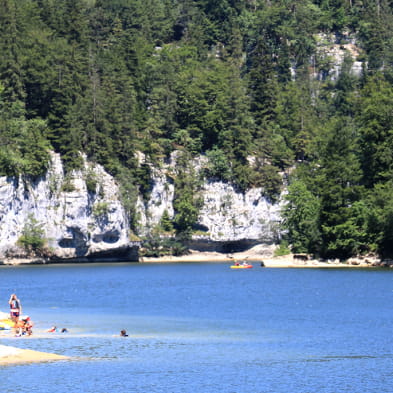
x=242, y=82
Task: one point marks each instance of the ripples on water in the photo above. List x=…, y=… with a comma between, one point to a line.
x=203, y=328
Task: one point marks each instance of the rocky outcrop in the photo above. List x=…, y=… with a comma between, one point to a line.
x=77, y=222
x=82, y=218
x=227, y=215
x=234, y=216
x=332, y=50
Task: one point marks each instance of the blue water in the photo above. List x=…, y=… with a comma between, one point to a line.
x=202, y=328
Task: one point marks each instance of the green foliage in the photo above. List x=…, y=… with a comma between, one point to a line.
x=129, y=195
x=67, y=185
x=228, y=79
x=91, y=182
x=157, y=247
x=282, y=249
x=379, y=213
x=186, y=201
x=165, y=222
x=338, y=179
x=143, y=177
x=203, y=102
x=348, y=237
x=24, y=149
x=267, y=177
x=217, y=165
x=100, y=209
x=376, y=138
x=301, y=218
x=32, y=238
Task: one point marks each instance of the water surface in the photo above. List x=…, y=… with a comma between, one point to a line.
x=203, y=328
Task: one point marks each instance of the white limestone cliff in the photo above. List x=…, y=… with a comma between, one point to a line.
x=80, y=222
x=226, y=214
x=231, y=216
x=76, y=223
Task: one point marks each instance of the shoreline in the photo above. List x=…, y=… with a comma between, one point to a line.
x=253, y=257
x=12, y=355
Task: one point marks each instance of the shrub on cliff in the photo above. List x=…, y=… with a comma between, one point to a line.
x=32, y=239
x=157, y=247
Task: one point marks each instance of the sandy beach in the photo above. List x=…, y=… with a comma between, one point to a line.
x=12, y=355
x=257, y=255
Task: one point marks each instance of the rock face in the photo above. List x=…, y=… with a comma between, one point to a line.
x=82, y=217
x=333, y=49
x=232, y=216
x=77, y=222
x=226, y=215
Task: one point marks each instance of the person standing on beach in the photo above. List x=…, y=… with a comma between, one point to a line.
x=15, y=308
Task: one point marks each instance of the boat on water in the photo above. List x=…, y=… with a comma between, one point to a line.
x=241, y=266
x=237, y=265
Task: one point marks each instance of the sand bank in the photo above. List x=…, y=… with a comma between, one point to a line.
x=12, y=355
x=255, y=257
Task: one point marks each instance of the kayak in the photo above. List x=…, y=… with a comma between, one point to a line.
x=241, y=266
x=6, y=324
x=5, y=321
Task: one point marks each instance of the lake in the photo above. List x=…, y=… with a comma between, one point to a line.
x=202, y=327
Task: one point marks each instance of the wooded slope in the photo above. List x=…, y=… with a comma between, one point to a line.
x=229, y=79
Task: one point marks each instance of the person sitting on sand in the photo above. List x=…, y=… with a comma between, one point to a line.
x=19, y=327
x=28, y=326
x=15, y=308
x=24, y=326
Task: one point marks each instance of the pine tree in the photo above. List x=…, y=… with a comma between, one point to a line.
x=338, y=180
x=375, y=120
x=10, y=43
x=301, y=219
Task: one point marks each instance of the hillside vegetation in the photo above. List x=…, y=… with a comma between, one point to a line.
x=228, y=79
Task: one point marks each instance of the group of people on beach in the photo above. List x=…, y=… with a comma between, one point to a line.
x=23, y=325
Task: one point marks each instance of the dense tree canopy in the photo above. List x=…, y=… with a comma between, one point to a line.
x=226, y=79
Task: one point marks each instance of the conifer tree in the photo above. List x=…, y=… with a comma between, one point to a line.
x=375, y=120
x=339, y=189
x=301, y=219
x=10, y=49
